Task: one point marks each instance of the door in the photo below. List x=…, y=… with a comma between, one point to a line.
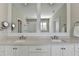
x=19, y=26
x=56, y=24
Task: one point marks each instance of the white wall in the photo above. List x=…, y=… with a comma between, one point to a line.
x=61, y=14
x=3, y=17
x=74, y=15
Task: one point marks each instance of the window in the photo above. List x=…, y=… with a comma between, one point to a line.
x=44, y=25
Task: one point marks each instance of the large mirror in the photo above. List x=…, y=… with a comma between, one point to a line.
x=39, y=17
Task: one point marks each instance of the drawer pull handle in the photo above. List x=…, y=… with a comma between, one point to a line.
x=14, y=48
x=38, y=49
x=63, y=48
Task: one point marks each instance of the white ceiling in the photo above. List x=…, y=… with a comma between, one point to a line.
x=30, y=9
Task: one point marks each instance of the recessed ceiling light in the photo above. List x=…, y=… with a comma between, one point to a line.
x=52, y=3
x=25, y=4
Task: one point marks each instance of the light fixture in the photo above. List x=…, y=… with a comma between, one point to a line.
x=51, y=3
x=25, y=4
x=12, y=26
x=5, y=24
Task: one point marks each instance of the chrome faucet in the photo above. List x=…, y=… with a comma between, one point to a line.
x=54, y=37
x=22, y=37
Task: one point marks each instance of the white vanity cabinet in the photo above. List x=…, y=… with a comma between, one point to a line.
x=39, y=50
x=16, y=51
x=63, y=50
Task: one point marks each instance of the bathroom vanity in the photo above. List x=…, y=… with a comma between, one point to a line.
x=39, y=19
x=39, y=29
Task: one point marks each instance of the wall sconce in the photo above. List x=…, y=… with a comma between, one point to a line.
x=12, y=26
x=4, y=25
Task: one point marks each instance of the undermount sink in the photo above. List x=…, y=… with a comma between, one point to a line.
x=54, y=40
x=20, y=41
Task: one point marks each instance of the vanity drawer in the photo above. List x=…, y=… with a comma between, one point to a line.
x=39, y=48
x=39, y=54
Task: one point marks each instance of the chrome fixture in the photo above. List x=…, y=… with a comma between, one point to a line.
x=13, y=26
x=54, y=37
x=4, y=25
x=25, y=4
x=19, y=26
x=52, y=3
x=22, y=37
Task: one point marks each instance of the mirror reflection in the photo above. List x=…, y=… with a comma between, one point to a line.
x=51, y=16
x=23, y=15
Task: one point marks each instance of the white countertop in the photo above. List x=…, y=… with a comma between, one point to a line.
x=39, y=41
x=32, y=41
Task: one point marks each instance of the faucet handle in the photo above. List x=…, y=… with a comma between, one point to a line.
x=20, y=37
x=51, y=37
x=23, y=37
x=55, y=37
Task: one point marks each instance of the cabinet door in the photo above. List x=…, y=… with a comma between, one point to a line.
x=77, y=50
x=56, y=50
x=68, y=50
x=20, y=51
x=2, y=50
x=16, y=50
x=9, y=51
